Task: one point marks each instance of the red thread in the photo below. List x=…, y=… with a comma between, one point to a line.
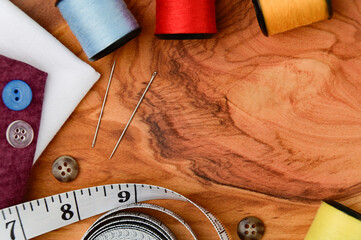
x=186, y=17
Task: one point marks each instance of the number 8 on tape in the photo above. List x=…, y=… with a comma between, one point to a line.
x=31, y=219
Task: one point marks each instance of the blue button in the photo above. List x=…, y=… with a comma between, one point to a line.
x=17, y=95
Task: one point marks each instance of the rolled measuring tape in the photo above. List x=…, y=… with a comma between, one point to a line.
x=120, y=224
x=277, y=16
x=334, y=221
x=101, y=27
x=34, y=218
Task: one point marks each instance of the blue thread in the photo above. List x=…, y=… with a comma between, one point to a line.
x=101, y=27
x=17, y=95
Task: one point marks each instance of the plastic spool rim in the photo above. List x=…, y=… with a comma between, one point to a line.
x=115, y=45
x=184, y=36
x=57, y=2
x=343, y=209
x=329, y=6
x=260, y=17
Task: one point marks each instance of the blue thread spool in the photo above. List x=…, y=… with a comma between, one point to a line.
x=101, y=27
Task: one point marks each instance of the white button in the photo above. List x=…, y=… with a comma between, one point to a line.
x=19, y=134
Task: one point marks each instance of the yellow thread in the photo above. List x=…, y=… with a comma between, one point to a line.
x=333, y=224
x=283, y=15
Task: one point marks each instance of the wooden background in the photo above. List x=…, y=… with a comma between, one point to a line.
x=241, y=124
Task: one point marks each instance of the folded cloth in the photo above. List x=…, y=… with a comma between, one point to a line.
x=16, y=163
x=69, y=78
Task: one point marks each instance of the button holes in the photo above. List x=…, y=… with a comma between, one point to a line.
x=19, y=134
x=250, y=228
x=19, y=95
x=65, y=169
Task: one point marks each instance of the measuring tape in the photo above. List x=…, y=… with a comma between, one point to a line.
x=34, y=218
x=130, y=225
x=133, y=222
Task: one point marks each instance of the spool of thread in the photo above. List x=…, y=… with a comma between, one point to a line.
x=335, y=222
x=101, y=27
x=185, y=19
x=277, y=16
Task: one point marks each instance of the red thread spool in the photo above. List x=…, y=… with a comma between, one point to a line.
x=185, y=19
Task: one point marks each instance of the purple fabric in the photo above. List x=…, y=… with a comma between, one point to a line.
x=15, y=164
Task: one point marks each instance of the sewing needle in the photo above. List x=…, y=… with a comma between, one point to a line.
x=135, y=110
x=104, y=100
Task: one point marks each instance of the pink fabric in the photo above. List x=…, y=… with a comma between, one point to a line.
x=15, y=164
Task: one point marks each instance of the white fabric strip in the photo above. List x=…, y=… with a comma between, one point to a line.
x=69, y=79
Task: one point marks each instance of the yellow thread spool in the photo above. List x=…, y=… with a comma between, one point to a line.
x=276, y=16
x=335, y=222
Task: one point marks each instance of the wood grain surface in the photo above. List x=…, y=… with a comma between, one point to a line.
x=240, y=123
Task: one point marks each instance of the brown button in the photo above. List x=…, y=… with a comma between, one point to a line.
x=250, y=228
x=65, y=169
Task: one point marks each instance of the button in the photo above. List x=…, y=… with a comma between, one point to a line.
x=250, y=228
x=19, y=134
x=17, y=95
x=65, y=169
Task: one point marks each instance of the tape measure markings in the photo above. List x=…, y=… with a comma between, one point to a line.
x=21, y=224
x=53, y=212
